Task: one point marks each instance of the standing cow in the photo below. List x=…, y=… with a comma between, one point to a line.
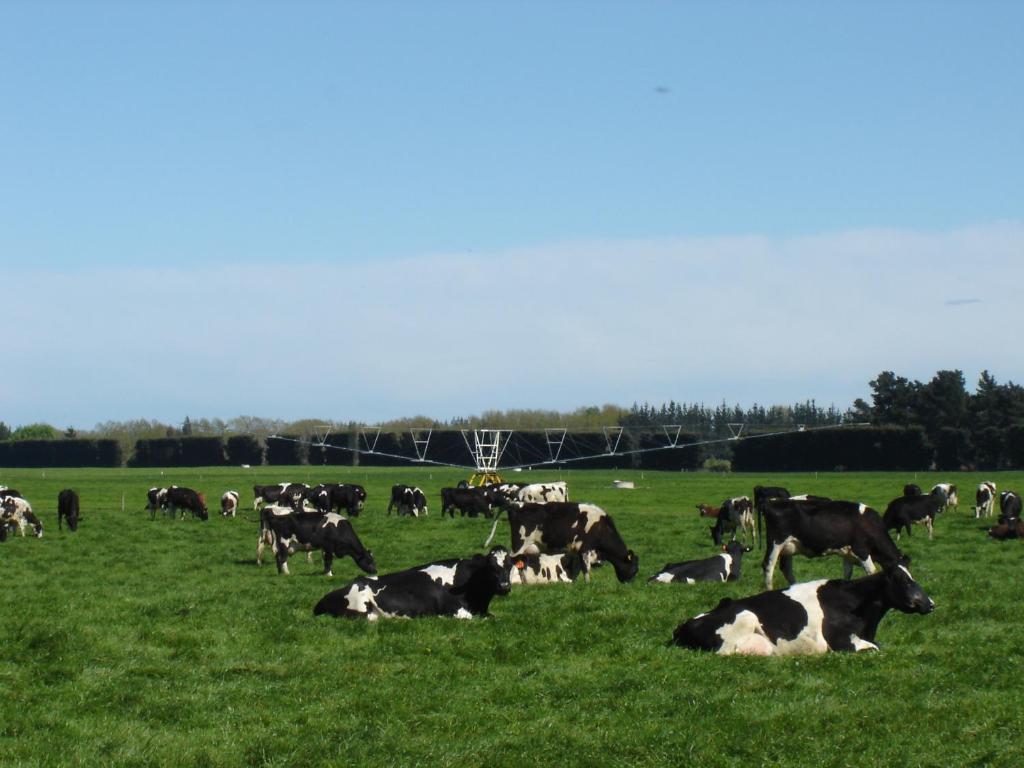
x=67, y=509
x=228, y=503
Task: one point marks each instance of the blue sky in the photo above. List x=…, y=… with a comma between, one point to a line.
x=442, y=208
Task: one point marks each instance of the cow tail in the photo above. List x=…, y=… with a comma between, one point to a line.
x=497, y=517
x=757, y=528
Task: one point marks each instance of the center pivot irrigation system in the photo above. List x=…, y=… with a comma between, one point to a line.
x=487, y=447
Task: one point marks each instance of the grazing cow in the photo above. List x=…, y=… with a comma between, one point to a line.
x=156, y=498
x=1008, y=528
x=723, y=567
x=1009, y=505
x=347, y=498
x=16, y=511
x=542, y=493
x=546, y=569
x=409, y=500
x=330, y=533
x=735, y=513
x=469, y=501
x=810, y=618
x=5, y=491
x=179, y=499
x=912, y=489
x=985, y=499
x=904, y=510
x=561, y=526
x=948, y=492
x=266, y=532
x=816, y=528
x=414, y=594
x=67, y=509
x=707, y=510
x=229, y=503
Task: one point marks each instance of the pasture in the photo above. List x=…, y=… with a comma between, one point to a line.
x=139, y=642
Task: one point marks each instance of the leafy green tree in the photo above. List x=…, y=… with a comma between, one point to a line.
x=894, y=399
x=5, y=431
x=34, y=432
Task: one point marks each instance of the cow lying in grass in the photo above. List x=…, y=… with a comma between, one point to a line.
x=414, y=594
x=723, y=567
x=809, y=618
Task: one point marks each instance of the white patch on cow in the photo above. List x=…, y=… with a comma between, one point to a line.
x=727, y=563
x=863, y=508
x=332, y=518
x=811, y=638
x=869, y=565
x=744, y=635
x=360, y=600
x=531, y=541
x=284, y=569
x=664, y=577
x=860, y=644
x=462, y=613
x=442, y=573
x=594, y=516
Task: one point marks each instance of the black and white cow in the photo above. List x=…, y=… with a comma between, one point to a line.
x=331, y=533
x=545, y=569
x=735, y=514
x=16, y=512
x=562, y=526
x=904, y=510
x=1009, y=505
x=469, y=501
x=409, y=500
x=178, y=499
x=543, y=493
x=809, y=618
x=289, y=494
x=498, y=494
x=67, y=509
x=414, y=594
x=985, y=499
x=155, y=500
x=723, y=567
x=228, y=503
x=947, y=491
x=347, y=498
x=816, y=528
x=454, y=572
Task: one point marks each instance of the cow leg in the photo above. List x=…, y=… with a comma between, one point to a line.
x=786, y=566
x=771, y=557
x=847, y=568
x=281, y=553
x=929, y=525
x=328, y=560
x=259, y=549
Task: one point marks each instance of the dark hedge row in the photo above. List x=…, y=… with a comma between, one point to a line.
x=850, y=448
x=61, y=453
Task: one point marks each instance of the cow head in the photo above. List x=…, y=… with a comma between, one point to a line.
x=735, y=549
x=364, y=559
x=626, y=570
x=904, y=593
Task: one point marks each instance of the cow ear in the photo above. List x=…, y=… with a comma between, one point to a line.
x=723, y=547
x=520, y=564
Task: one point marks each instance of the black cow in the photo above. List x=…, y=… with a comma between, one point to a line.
x=1009, y=505
x=67, y=509
x=155, y=500
x=179, y=499
x=409, y=500
x=734, y=514
x=904, y=510
x=338, y=497
x=565, y=526
x=815, y=528
x=810, y=618
x=330, y=533
x=414, y=594
x=1008, y=528
x=723, y=567
x=762, y=495
x=912, y=489
x=469, y=501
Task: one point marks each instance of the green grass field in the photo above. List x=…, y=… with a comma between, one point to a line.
x=139, y=642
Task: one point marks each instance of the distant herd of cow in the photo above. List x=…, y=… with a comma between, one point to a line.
x=554, y=540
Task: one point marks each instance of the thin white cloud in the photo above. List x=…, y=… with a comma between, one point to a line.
x=556, y=326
